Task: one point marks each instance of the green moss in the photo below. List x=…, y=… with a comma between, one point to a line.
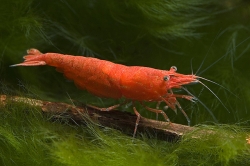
x=212, y=145
x=28, y=138
x=23, y=136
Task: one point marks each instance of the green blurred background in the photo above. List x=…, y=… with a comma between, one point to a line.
x=208, y=38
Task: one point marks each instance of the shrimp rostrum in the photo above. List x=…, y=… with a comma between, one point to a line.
x=110, y=80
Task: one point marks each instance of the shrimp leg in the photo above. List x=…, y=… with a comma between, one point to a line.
x=137, y=120
x=157, y=111
x=111, y=108
x=157, y=107
x=183, y=112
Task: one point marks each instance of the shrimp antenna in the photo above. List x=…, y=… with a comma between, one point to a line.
x=214, y=95
x=219, y=58
x=191, y=62
x=210, y=47
x=218, y=85
x=209, y=111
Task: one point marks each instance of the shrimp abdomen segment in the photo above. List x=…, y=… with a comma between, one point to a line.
x=100, y=78
x=91, y=74
x=87, y=73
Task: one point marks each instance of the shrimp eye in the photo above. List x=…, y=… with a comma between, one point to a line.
x=166, y=78
x=174, y=68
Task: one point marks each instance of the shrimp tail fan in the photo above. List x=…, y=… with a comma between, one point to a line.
x=34, y=58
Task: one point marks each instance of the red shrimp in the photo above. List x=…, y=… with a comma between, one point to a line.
x=110, y=80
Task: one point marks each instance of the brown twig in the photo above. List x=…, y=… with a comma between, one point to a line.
x=122, y=121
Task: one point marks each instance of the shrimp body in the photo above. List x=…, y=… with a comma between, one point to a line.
x=111, y=80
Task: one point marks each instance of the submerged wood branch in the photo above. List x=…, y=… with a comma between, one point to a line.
x=122, y=121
